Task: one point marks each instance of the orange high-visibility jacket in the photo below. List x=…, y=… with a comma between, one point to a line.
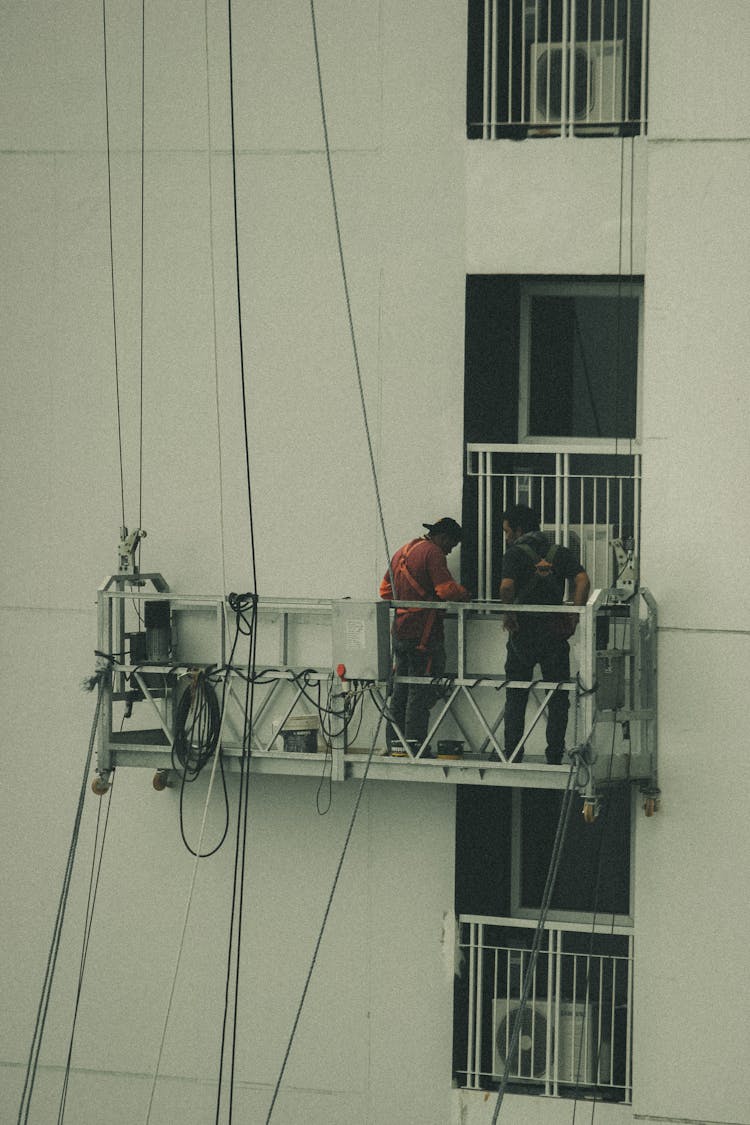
x=420, y=573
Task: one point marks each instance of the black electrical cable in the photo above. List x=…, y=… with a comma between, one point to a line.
x=326, y=775
x=49, y=973
x=96, y=868
x=197, y=727
x=197, y=724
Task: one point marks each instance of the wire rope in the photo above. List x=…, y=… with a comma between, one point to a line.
x=96, y=868
x=557, y=847
x=597, y=889
x=345, y=282
x=326, y=912
x=143, y=212
x=54, y=949
x=243, y=819
x=112, y=259
x=618, y=322
x=235, y=929
x=209, y=145
x=198, y=855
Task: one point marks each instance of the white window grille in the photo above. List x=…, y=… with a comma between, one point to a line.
x=580, y=504
x=557, y=68
x=576, y=1027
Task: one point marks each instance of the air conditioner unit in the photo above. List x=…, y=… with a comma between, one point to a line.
x=569, y=1038
x=595, y=70
x=592, y=546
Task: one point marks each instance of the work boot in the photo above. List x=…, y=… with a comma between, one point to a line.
x=554, y=757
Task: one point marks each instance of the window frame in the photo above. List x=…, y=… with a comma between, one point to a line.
x=586, y=917
x=625, y=287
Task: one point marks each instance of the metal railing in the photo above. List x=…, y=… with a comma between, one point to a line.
x=558, y=67
x=585, y=500
x=576, y=1027
x=294, y=677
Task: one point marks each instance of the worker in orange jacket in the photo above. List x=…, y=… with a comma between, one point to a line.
x=419, y=572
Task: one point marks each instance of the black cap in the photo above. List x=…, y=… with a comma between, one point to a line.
x=445, y=526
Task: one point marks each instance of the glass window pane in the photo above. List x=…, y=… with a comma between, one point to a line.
x=583, y=366
x=594, y=872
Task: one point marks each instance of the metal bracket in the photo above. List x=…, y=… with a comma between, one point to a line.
x=126, y=550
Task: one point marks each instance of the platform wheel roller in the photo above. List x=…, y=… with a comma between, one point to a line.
x=100, y=785
x=161, y=780
x=590, y=811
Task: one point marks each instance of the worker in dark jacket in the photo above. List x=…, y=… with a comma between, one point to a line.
x=419, y=572
x=535, y=571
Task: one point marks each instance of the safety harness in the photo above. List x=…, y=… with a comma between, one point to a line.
x=539, y=590
x=402, y=571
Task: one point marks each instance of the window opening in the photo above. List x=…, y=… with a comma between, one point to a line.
x=579, y=360
x=540, y=68
x=577, y=1032
x=594, y=873
x=562, y=355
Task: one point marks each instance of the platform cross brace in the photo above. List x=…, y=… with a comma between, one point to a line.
x=464, y=689
x=162, y=717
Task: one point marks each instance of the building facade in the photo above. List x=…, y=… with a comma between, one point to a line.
x=122, y=246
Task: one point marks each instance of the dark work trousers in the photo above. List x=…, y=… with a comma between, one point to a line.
x=410, y=704
x=528, y=647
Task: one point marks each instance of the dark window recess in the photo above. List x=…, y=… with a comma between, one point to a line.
x=483, y=841
x=582, y=366
x=594, y=872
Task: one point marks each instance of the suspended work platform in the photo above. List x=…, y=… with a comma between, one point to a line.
x=301, y=686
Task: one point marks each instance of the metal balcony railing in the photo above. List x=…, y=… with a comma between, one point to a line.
x=585, y=500
x=576, y=1027
x=557, y=68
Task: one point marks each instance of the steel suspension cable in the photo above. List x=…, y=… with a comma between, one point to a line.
x=198, y=855
x=326, y=912
x=49, y=973
x=345, y=282
x=238, y=881
x=96, y=869
x=597, y=889
x=143, y=200
x=209, y=144
x=238, y=282
x=240, y=865
x=549, y=887
x=112, y=258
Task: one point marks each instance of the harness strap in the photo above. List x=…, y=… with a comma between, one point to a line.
x=402, y=571
x=543, y=564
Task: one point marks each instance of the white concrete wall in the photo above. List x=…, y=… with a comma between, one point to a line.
x=378, y=1008
x=554, y=207
x=691, y=883
x=375, y=1038
x=419, y=207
